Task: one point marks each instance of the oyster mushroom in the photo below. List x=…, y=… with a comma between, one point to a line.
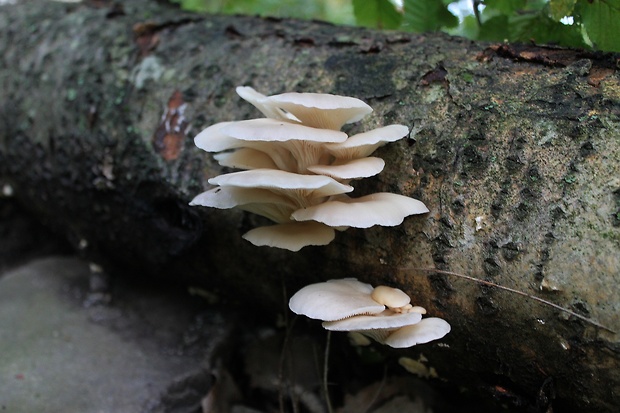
x=429, y=329
x=292, y=147
x=363, y=144
x=382, y=208
x=297, y=164
x=293, y=236
x=318, y=110
x=354, y=169
x=335, y=300
x=350, y=305
x=393, y=298
x=270, y=193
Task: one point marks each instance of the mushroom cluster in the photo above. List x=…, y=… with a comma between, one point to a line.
x=381, y=313
x=297, y=167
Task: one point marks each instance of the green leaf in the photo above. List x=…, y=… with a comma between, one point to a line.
x=541, y=29
x=601, y=20
x=427, y=15
x=468, y=28
x=561, y=8
x=380, y=14
x=494, y=29
x=506, y=6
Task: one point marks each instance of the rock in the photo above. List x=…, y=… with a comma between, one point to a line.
x=66, y=348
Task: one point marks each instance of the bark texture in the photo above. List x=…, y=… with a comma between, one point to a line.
x=515, y=150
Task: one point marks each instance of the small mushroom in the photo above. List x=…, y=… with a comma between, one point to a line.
x=428, y=329
x=264, y=202
x=378, y=326
x=335, y=300
x=383, y=208
x=262, y=103
x=275, y=130
x=393, y=298
x=293, y=236
x=321, y=110
x=354, y=169
x=246, y=158
x=363, y=144
x=301, y=188
x=318, y=110
x=350, y=305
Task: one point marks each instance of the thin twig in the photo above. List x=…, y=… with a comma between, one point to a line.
x=328, y=401
x=512, y=290
x=285, y=356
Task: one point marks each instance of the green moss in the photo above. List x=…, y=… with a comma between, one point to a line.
x=570, y=179
x=467, y=77
x=71, y=94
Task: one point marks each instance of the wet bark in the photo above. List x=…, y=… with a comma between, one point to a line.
x=515, y=150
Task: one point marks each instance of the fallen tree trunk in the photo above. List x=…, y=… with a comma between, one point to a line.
x=514, y=149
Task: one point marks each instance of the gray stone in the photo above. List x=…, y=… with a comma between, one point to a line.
x=60, y=352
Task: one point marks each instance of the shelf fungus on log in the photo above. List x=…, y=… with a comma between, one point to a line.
x=298, y=166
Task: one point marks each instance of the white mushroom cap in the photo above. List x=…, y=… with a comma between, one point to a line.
x=428, y=329
x=291, y=147
x=225, y=197
x=212, y=139
x=390, y=297
x=275, y=130
x=335, y=300
x=383, y=208
x=262, y=103
x=299, y=187
x=387, y=319
x=293, y=236
x=363, y=144
x=320, y=110
x=245, y=158
x=264, y=202
x=356, y=168
x=226, y=135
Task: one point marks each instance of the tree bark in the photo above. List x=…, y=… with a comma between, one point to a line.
x=514, y=149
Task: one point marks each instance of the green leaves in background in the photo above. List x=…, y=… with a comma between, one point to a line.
x=427, y=15
x=505, y=7
x=574, y=23
x=380, y=14
x=561, y=8
x=336, y=11
x=601, y=21
x=561, y=22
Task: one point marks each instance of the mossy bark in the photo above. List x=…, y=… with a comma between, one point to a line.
x=515, y=150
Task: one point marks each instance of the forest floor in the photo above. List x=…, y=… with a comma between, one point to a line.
x=74, y=338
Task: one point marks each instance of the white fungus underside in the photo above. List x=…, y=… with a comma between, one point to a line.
x=293, y=236
x=313, y=185
x=383, y=320
x=355, y=169
x=383, y=209
x=428, y=329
